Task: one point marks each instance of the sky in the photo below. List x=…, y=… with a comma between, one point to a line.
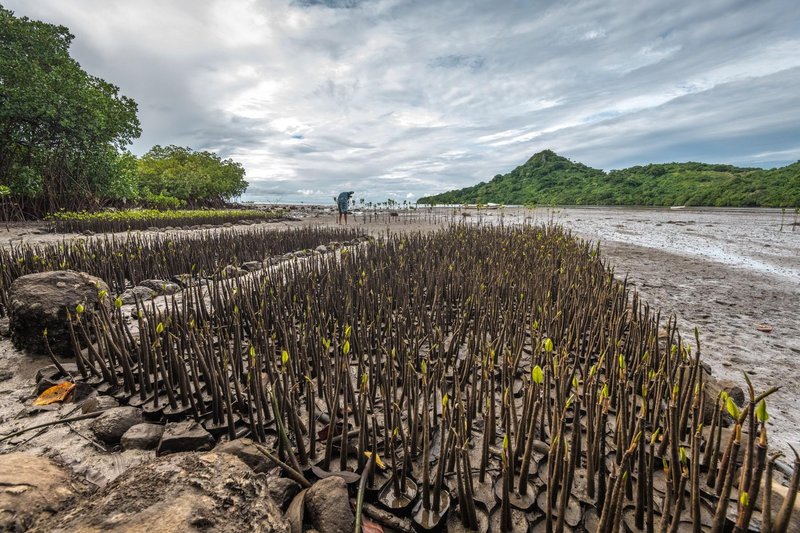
x=398, y=99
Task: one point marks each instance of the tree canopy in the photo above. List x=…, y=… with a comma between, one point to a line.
x=64, y=135
x=547, y=178
x=61, y=129
x=194, y=177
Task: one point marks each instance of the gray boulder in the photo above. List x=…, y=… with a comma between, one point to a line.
x=231, y=271
x=40, y=301
x=188, y=436
x=327, y=504
x=283, y=490
x=139, y=292
x=252, y=266
x=142, y=437
x=113, y=423
x=160, y=286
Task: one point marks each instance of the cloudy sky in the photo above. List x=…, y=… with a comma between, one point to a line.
x=400, y=98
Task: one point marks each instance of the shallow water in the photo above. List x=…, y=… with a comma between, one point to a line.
x=746, y=238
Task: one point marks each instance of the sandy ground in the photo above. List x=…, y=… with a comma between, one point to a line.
x=724, y=271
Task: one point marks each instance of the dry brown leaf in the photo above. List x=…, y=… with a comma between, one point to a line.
x=368, y=526
x=55, y=394
x=766, y=328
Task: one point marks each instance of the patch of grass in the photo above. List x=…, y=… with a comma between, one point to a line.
x=139, y=219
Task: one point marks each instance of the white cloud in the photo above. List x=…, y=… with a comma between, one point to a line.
x=400, y=99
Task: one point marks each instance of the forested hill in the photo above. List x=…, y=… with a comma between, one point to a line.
x=549, y=179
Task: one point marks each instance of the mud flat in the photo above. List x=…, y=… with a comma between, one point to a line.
x=726, y=271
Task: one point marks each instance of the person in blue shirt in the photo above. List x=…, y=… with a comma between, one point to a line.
x=343, y=203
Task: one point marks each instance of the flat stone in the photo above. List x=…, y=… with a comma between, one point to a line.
x=98, y=403
x=113, y=423
x=321, y=249
x=185, y=436
x=52, y=372
x=142, y=437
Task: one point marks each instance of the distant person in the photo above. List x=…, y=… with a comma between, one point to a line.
x=343, y=203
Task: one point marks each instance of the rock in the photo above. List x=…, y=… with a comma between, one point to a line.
x=184, y=280
x=39, y=301
x=141, y=293
x=98, y=403
x=81, y=392
x=87, y=232
x=713, y=387
x=321, y=249
x=245, y=450
x=227, y=225
x=142, y=437
x=178, y=493
x=31, y=488
x=113, y=423
x=327, y=504
x=44, y=384
x=252, y=266
x=185, y=436
x=160, y=286
x=231, y=271
x=52, y=372
x=735, y=392
x=282, y=490
x=153, y=228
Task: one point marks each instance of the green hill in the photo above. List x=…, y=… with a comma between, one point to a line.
x=547, y=178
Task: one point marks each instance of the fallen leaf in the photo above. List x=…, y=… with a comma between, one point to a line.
x=368, y=526
x=55, y=394
x=378, y=460
x=766, y=328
